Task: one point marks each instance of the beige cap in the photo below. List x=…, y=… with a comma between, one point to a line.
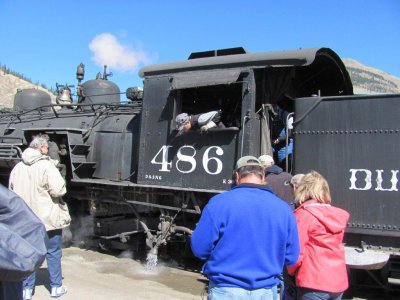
x=266, y=160
x=247, y=161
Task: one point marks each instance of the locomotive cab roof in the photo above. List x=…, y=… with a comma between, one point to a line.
x=314, y=63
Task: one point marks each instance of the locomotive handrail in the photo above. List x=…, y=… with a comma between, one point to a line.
x=308, y=111
x=287, y=141
x=10, y=151
x=244, y=120
x=94, y=108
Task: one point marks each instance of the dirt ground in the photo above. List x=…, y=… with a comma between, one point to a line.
x=90, y=274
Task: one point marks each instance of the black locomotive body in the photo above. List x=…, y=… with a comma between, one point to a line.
x=354, y=141
x=135, y=179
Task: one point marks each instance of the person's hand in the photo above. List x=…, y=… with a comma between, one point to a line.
x=203, y=129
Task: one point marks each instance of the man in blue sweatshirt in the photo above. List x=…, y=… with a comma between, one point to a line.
x=246, y=236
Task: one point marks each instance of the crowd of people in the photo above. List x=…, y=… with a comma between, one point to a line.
x=34, y=218
x=252, y=242
x=271, y=232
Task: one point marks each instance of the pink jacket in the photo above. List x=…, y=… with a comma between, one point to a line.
x=321, y=264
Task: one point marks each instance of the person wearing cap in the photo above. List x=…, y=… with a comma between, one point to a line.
x=277, y=179
x=202, y=122
x=246, y=236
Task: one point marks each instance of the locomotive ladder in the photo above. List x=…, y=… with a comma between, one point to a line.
x=81, y=168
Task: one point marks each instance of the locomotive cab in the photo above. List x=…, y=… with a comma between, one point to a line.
x=249, y=89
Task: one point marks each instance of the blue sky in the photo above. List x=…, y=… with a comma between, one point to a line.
x=46, y=39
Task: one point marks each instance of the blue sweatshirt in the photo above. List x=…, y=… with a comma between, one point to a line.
x=246, y=236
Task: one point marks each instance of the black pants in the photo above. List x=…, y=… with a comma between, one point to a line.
x=10, y=290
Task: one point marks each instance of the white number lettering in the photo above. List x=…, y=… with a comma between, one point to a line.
x=165, y=165
x=207, y=159
x=187, y=159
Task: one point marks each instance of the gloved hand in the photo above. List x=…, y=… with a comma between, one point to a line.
x=204, y=128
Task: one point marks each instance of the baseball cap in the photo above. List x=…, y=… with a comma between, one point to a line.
x=181, y=120
x=296, y=179
x=247, y=161
x=266, y=160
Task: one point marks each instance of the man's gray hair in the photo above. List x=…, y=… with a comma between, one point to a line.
x=37, y=142
x=247, y=170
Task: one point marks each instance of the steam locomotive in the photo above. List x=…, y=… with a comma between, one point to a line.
x=139, y=182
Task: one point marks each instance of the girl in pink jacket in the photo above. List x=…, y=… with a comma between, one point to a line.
x=321, y=268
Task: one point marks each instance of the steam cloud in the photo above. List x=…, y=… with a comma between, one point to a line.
x=107, y=50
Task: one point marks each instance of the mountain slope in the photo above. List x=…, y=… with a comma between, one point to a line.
x=9, y=84
x=366, y=80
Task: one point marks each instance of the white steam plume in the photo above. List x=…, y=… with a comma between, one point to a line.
x=107, y=50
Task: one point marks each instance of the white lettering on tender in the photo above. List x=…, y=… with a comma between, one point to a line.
x=366, y=176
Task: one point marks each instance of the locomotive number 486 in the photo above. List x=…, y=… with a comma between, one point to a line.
x=187, y=161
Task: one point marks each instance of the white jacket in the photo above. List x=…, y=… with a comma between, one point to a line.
x=37, y=180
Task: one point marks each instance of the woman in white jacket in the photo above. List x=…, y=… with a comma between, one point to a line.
x=37, y=180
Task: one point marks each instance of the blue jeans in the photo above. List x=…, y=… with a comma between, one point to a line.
x=53, y=258
x=236, y=293
x=309, y=294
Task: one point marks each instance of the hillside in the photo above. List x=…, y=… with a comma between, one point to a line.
x=9, y=84
x=366, y=80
